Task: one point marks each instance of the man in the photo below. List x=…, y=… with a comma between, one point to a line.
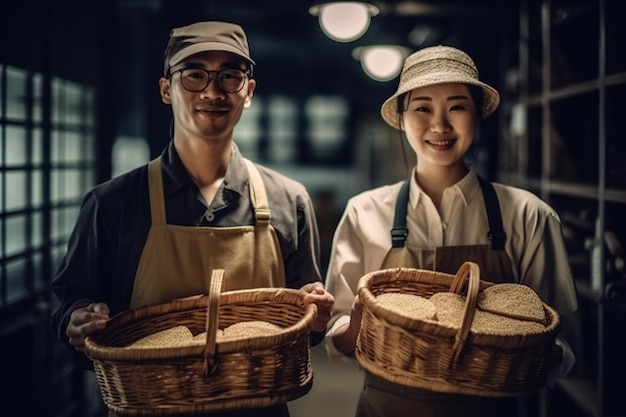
x=157, y=232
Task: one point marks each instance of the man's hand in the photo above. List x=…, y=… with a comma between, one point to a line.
x=324, y=301
x=85, y=321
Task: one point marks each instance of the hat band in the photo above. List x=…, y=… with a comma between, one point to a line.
x=438, y=65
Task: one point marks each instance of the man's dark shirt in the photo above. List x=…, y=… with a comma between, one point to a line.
x=107, y=241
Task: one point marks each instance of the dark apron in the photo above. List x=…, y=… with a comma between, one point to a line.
x=177, y=260
x=381, y=398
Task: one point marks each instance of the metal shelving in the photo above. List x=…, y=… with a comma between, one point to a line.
x=564, y=143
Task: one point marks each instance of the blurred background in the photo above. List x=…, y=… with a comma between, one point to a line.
x=79, y=103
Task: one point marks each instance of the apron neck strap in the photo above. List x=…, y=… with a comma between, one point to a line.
x=399, y=230
x=155, y=188
x=496, y=233
x=258, y=197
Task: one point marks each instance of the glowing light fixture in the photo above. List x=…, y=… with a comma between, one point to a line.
x=381, y=62
x=344, y=21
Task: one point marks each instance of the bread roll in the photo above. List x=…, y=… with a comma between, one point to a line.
x=512, y=300
x=248, y=329
x=173, y=337
x=408, y=305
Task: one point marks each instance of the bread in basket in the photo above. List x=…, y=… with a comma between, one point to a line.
x=247, y=373
x=432, y=355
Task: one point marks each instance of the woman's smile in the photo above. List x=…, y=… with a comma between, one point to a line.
x=441, y=144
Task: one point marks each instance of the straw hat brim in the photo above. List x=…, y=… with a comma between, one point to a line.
x=389, y=109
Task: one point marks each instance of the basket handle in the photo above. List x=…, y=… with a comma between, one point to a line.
x=212, y=312
x=471, y=269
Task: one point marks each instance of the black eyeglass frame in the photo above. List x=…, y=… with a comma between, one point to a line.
x=247, y=73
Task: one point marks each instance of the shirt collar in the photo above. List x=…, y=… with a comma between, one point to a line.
x=467, y=188
x=236, y=176
x=175, y=176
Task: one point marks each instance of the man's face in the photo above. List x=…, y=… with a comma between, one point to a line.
x=211, y=112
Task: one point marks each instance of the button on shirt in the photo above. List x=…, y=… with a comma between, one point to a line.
x=534, y=241
x=109, y=235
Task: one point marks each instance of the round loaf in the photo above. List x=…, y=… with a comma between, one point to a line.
x=200, y=338
x=450, y=308
x=408, y=305
x=248, y=329
x=512, y=300
x=173, y=337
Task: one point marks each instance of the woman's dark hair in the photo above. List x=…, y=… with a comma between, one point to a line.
x=478, y=96
x=401, y=103
x=472, y=157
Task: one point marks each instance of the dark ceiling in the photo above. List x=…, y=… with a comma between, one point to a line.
x=117, y=46
x=294, y=57
x=126, y=38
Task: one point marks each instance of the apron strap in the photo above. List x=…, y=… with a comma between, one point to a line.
x=155, y=188
x=258, y=195
x=399, y=230
x=496, y=233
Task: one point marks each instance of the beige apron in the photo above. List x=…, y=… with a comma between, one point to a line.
x=177, y=260
x=381, y=398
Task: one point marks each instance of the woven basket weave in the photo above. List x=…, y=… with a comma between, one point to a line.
x=429, y=355
x=239, y=374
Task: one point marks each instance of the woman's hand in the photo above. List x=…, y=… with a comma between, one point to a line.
x=344, y=337
x=356, y=313
x=324, y=301
x=85, y=321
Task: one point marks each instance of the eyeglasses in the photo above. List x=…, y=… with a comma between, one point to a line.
x=229, y=80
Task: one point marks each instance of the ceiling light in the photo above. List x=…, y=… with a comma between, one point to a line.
x=344, y=21
x=381, y=62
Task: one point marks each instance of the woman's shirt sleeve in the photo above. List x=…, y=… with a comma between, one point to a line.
x=344, y=269
x=545, y=265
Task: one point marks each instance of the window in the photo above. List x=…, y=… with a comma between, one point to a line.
x=283, y=113
x=43, y=174
x=327, y=118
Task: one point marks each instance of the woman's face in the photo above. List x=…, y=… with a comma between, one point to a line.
x=440, y=122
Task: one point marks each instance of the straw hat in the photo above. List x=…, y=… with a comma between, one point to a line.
x=438, y=65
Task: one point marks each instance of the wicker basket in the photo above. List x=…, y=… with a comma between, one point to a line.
x=429, y=355
x=239, y=374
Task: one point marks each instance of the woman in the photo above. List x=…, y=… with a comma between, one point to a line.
x=444, y=215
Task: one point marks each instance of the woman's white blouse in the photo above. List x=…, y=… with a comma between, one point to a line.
x=534, y=240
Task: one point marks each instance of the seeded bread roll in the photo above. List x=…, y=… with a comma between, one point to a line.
x=512, y=300
x=408, y=305
x=200, y=338
x=249, y=329
x=496, y=324
x=450, y=307
x=173, y=337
